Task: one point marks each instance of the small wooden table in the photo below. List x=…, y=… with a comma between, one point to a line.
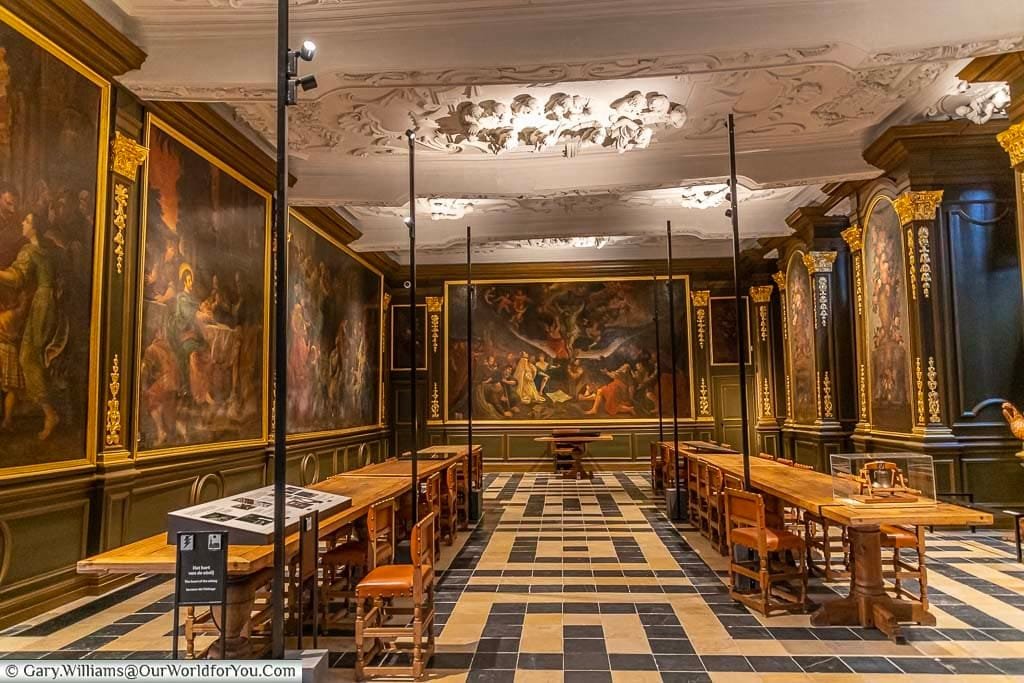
x=460, y=450
x=574, y=445
x=868, y=604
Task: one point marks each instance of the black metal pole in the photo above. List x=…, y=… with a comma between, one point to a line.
x=411, y=223
x=680, y=513
x=741, y=312
x=280, y=389
x=657, y=360
x=470, y=506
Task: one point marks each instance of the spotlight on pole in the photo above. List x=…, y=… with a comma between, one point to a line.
x=306, y=53
x=308, y=50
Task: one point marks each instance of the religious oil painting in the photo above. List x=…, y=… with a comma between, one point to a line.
x=334, y=335
x=53, y=138
x=401, y=337
x=581, y=350
x=887, y=321
x=203, y=343
x=725, y=331
x=799, y=301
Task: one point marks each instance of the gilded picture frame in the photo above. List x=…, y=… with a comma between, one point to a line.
x=684, y=343
x=91, y=427
x=152, y=122
x=379, y=424
x=421, y=320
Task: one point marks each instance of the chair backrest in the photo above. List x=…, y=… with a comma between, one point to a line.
x=785, y=461
x=380, y=528
x=702, y=475
x=745, y=509
x=766, y=456
x=421, y=547
x=449, y=479
x=801, y=466
x=731, y=481
x=715, y=479
x=433, y=491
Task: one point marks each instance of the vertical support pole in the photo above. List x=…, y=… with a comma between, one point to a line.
x=657, y=358
x=741, y=309
x=280, y=387
x=470, y=504
x=411, y=224
x=680, y=510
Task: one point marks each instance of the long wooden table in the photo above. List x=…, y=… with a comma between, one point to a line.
x=868, y=604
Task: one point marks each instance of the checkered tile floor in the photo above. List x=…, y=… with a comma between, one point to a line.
x=587, y=581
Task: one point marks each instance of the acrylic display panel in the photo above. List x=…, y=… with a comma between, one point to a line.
x=800, y=318
x=334, y=336
x=579, y=350
x=401, y=337
x=890, y=479
x=203, y=311
x=53, y=142
x=725, y=330
x=887, y=321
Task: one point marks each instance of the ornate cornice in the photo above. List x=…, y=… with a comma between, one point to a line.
x=761, y=294
x=1012, y=140
x=127, y=155
x=701, y=298
x=434, y=304
x=917, y=206
x=780, y=280
x=854, y=237
x=819, y=261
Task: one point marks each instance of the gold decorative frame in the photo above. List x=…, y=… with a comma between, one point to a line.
x=307, y=436
x=787, y=336
x=99, y=249
x=425, y=338
x=684, y=278
x=151, y=122
x=711, y=332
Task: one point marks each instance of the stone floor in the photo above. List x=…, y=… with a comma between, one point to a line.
x=587, y=581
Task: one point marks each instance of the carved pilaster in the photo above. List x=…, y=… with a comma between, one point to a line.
x=787, y=406
x=700, y=302
x=820, y=266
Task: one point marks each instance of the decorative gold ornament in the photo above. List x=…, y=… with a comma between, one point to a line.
x=919, y=377
x=785, y=319
x=923, y=246
x=912, y=264
x=817, y=395
x=761, y=294
x=1012, y=140
x=113, y=423
x=789, y=399
x=822, y=300
x=766, y=399
x=780, y=280
x=701, y=298
x=826, y=390
x=762, y=313
x=387, y=300
x=819, y=261
x=703, y=403
x=854, y=237
x=127, y=156
x=434, y=306
x=863, y=393
x=858, y=283
x=934, y=416
x=917, y=206
x=435, y=403
x=120, y=224
x=701, y=326
x=1014, y=419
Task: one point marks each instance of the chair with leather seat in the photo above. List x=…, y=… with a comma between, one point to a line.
x=449, y=518
x=346, y=561
x=898, y=539
x=379, y=624
x=430, y=501
x=746, y=526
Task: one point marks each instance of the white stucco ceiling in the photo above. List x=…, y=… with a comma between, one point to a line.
x=567, y=118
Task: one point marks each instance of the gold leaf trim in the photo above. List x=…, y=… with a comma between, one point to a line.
x=434, y=304
x=789, y=398
x=701, y=298
x=826, y=390
x=780, y=280
x=761, y=294
x=113, y=421
x=435, y=331
x=858, y=283
x=919, y=377
x=924, y=251
x=822, y=301
x=817, y=395
x=762, y=312
x=934, y=416
x=854, y=237
x=387, y=300
x=703, y=402
x=1012, y=140
x=120, y=224
x=863, y=393
x=819, y=261
x=912, y=264
x=701, y=326
x=435, y=402
x=127, y=156
x=766, y=399
x=917, y=206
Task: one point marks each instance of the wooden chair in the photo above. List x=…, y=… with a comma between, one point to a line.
x=765, y=456
x=375, y=629
x=657, y=467
x=703, y=495
x=785, y=461
x=448, y=521
x=821, y=539
x=461, y=499
x=688, y=470
x=746, y=526
x=897, y=539
x=345, y=562
x=430, y=501
x=716, y=509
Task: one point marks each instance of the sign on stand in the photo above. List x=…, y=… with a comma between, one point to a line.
x=201, y=577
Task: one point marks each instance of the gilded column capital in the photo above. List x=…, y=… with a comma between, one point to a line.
x=854, y=237
x=780, y=280
x=701, y=298
x=1012, y=140
x=819, y=261
x=127, y=155
x=434, y=304
x=761, y=294
x=917, y=206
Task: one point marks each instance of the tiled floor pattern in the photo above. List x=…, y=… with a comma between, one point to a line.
x=586, y=581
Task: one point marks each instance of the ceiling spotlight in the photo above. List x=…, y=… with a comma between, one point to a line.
x=408, y=220
x=308, y=82
x=308, y=51
x=728, y=213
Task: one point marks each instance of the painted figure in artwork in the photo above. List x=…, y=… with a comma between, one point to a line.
x=801, y=342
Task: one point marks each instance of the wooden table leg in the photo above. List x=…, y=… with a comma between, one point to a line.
x=868, y=604
x=241, y=594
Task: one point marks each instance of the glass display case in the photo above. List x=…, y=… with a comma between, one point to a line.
x=883, y=478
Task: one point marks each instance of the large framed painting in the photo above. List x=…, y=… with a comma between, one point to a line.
x=887, y=320
x=725, y=331
x=334, y=336
x=569, y=350
x=54, y=135
x=401, y=337
x=203, y=310
x=800, y=304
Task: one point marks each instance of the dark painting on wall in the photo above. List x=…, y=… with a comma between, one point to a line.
x=334, y=336
x=53, y=126
x=572, y=350
x=725, y=331
x=887, y=321
x=202, y=371
x=401, y=336
x=803, y=384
